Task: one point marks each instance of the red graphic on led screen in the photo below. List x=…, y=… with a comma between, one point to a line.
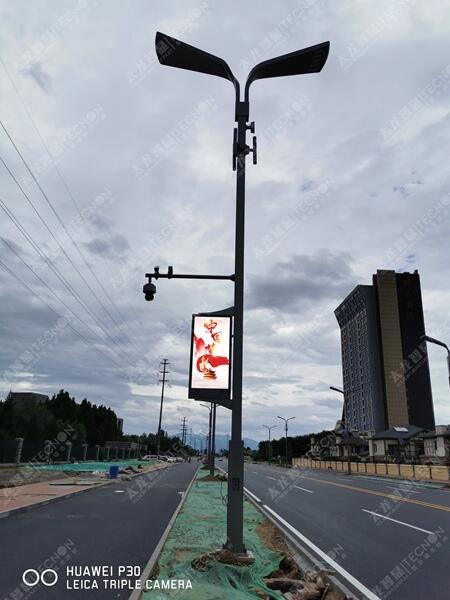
x=211, y=352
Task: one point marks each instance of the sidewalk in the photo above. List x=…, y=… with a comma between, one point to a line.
x=22, y=497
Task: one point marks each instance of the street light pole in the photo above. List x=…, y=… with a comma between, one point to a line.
x=346, y=430
x=270, y=444
x=213, y=443
x=444, y=345
x=286, y=430
x=174, y=53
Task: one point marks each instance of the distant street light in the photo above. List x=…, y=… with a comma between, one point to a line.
x=270, y=444
x=439, y=343
x=286, y=430
x=345, y=429
x=174, y=53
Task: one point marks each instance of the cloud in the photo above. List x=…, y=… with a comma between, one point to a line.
x=113, y=247
x=38, y=74
x=305, y=251
x=302, y=280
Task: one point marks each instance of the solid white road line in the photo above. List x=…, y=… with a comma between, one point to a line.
x=304, y=489
x=336, y=566
x=399, y=522
x=269, y=477
x=251, y=495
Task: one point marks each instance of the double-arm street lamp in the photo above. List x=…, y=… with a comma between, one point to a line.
x=270, y=444
x=286, y=421
x=444, y=345
x=174, y=53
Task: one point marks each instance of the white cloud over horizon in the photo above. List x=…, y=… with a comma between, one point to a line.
x=352, y=177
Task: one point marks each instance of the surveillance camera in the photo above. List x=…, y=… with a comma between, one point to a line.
x=149, y=290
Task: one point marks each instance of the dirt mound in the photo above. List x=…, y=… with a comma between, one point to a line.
x=212, y=478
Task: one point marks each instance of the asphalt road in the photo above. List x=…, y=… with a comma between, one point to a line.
x=114, y=526
x=393, y=537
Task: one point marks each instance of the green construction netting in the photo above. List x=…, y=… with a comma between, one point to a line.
x=200, y=528
x=92, y=465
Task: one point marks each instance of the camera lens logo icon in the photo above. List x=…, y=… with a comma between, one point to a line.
x=47, y=577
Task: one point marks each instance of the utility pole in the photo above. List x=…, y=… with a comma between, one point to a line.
x=183, y=431
x=163, y=371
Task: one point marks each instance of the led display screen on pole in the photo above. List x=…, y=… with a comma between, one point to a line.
x=210, y=368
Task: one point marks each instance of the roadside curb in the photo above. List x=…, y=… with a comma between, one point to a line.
x=21, y=509
x=136, y=593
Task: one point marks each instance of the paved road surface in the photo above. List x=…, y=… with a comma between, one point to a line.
x=398, y=549
x=117, y=525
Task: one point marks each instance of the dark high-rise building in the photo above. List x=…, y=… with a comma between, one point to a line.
x=384, y=361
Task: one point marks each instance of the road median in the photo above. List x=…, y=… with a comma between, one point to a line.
x=191, y=563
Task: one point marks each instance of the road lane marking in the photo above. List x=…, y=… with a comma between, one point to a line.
x=336, y=566
x=255, y=472
x=304, y=489
x=269, y=477
x=384, y=495
x=247, y=491
x=399, y=522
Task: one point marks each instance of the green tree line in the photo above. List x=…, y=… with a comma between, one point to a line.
x=39, y=421
x=298, y=446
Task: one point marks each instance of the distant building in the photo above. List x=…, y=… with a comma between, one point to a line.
x=120, y=426
x=437, y=444
x=398, y=444
x=384, y=361
x=18, y=398
x=338, y=446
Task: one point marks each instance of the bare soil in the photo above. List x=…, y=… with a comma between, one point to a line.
x=211, y=478
x=15, y=476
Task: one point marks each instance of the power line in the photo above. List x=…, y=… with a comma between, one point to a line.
x=14, y=251
x=77, y=333
x=68, y=285
x=44, y=222
x=48, y=261
x=71, y=196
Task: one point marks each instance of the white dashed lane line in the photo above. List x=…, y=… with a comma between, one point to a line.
x=378, y=516
x=303, y=489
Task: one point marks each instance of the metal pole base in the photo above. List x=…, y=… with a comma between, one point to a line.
x=235, y=508
x=246, y=558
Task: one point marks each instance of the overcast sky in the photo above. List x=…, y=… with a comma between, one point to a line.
x=352, y=177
